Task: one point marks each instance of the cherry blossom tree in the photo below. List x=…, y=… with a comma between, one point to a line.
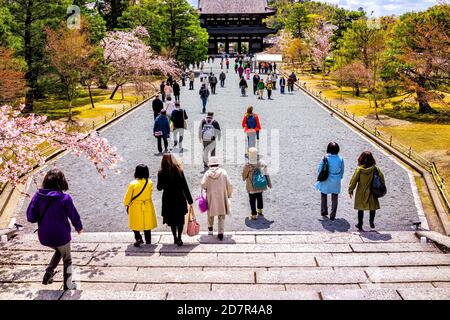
x=22, y=139
x=320, y=43
x=131, y=59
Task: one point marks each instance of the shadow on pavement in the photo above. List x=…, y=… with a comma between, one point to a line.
x=376, y=236
x=261, y=223
x=168, y=250
x=338, y=225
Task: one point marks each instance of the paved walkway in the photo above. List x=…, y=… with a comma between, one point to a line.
x=303, y=128
x=270, y=266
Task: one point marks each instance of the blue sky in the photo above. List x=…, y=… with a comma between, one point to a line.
x=379, y=7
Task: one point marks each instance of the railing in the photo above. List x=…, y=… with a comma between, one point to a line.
x=405, y=150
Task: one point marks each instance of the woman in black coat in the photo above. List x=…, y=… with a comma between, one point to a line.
x=175, y=197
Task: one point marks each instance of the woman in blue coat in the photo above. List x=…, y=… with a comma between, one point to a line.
x=161, y=130
x=333, y=184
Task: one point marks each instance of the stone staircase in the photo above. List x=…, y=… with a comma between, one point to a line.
x=246, y=265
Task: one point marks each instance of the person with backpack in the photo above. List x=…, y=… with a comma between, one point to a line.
x=222, y=79
x=191, y=80
x=139, y=203
x=218, y=192
x=256, y=79
x=161, y=131
x=363, y=180
x=53, y=210
x=257, y=179
x=282, y=85
x=331, y=173
x=209, y=134
x=176, y=196
x=157, y=106
x=243, y=85
x=204, y=95
x=176, y=91
x=261, y=87
x=179, y=124
x=213, y=83
x=252, y=127
x=269, y=87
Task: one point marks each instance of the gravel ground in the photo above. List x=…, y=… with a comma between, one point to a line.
x=298, y=130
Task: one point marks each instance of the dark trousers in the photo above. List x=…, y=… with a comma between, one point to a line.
x=282, y=89
x=166, y=144
x=290, y=87
x=177, y=97
x=222, y=83
x=163, y=97
x=183, y=82
x=334, y=205
x=361, y=217
x=191, y=85
x=255, y=88
x=256, y=202
x=155, y=115
x=64, y=253
x=213, y=88
x=177, y=231
x=147, y=235
x=269, y=94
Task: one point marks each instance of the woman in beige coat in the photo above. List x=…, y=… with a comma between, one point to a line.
x=218, y=190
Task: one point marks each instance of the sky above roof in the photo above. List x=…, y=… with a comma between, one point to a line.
x=378, y=7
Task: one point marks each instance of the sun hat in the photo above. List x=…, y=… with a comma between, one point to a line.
x=253, y=156
x=214, y=161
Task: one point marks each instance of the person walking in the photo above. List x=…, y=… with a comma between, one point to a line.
x=256, y=79
x=157, y=106
x=290, y=84
x=236, y=66
x=227, y=63
x=248, y=72
x=332, y=185
x=139, y=203
x=222, y=78
x=241, y=71
x=176, y=91
x=191, y=80
x=183, y=78
x=221, y=64
x=261, y=87
x=252, y=127
x=169, y=106
x=170, y=80
x=218, y=192
x=257, y=180
x=362, y=182
x=162, y=87
x=213, y=83
x=282, y=85
x=161, y=131
x=168, y=91
x=204, y=95
x=243, y=85
x=176, y=196
x=53, y=210
x=202, y=66
x=269, y=87
x=209, y=134
x=179, y=124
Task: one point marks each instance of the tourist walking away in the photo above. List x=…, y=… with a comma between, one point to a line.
x=161, y=131
x=282, y=85
x=256, y=79
x=275, y=67
x=243, y=85
x=191, y=80
x=53, y=210
x=183, y=78
x=252, y=127
x=176, y=196
x=218, y=192
x=169, y=106
x=139, y=203
x=362, y=180
x=170, y=80
x=176, y=91
x=202, y=66
x=293, y=76
x=209, y=134
x=248, y=72
x=240, y=71
x=221, y=65
x=179, y=124
x=204, y=95
x=157, y=106
x=331, y=173
x=257, y=180
x=222, y=79
x=236, y=66
x=168, y=90
x=213, y=83
x=162, y=86
x=274, y=81
x=261, y=87
x=269, y=87
x=227, y=63
x=290, y=84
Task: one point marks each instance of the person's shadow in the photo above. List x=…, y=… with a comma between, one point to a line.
x=261, y=223
x=338, y=225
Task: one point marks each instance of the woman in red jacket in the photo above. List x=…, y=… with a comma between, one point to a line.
x=252, y=127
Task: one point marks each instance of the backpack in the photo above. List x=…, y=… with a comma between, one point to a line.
x=378, y=187
x=251, y=122
x=208, y=131
x=259, y=181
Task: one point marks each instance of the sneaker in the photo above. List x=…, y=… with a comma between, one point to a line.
x=48, y=278
x=220, y=237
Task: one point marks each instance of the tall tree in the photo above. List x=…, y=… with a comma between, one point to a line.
x=12, y=82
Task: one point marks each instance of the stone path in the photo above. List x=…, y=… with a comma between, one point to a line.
x=303, y=128
x=247, y=265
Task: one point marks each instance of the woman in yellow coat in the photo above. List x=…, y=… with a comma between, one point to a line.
x=139, y=203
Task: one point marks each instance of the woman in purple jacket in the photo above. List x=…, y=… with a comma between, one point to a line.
x=52, y=209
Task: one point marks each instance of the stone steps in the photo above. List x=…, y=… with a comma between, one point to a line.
x=300, y=266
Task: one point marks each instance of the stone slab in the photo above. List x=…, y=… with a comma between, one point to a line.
x=206, y=239
x=236, y=295
x=20, y=245
x=425, y=294
x=361, y=294
x=113, y=295
x=409, y=274
x=21, y=294
x=320, y=287
x=313, y=276
x=389, y=236
x=9, y=257
x=441, y=284
x=171, y=287
x=404, y=285
x=247, y=287
x=393, y=247
x=313, y=238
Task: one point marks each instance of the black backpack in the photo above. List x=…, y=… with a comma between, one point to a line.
x=325, y=172
x=378, y=187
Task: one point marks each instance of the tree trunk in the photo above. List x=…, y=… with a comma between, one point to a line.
x=357, y=91
x=114, y=92
x=70, y=111
x=29, y=75
x=376, y=108
x=121, y=88
x=424, y=105
x=90, y=96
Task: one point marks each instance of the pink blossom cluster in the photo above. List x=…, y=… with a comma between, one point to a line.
x=320, y=42
x=23, y=137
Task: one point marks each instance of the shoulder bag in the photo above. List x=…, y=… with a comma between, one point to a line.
x=324, y=173
x=134, y=198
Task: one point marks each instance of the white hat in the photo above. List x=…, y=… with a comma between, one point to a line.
x=214, y=161
x=253, y=156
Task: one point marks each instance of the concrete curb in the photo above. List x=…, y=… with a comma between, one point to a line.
x=442, y=241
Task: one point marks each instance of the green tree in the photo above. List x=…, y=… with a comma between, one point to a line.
x=8, y=38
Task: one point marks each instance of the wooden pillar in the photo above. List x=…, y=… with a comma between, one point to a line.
x=239, y=46
x=227, y=46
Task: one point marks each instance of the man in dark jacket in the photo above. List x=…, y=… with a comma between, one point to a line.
x=213, y=83
x=222, y=78
x=163, y=93
x=170, y=80
x=256, y=79
x=178, y=118
x=209, y=134
x=157, y=106
x=176, y=91
x=161, y=131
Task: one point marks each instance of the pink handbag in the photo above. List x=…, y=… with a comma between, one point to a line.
x=193, y=228
x=202, y=203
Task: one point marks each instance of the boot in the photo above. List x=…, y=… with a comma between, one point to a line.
x=260, y=212
x=48, y=278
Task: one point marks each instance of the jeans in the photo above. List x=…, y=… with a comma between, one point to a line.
x=179, y=132
x=282, y=89
x=64, y=253
x=221, y=223
x=243, y=91
x=208, y=146
x=222, y=83
x=334, y=205
x=147, y=235
x=166, y=144
x=256, y=201
x=204, y=102
x=213, y=88
x=361, y=217
x=255, y=89
x=269, y=94
x=191, y=85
